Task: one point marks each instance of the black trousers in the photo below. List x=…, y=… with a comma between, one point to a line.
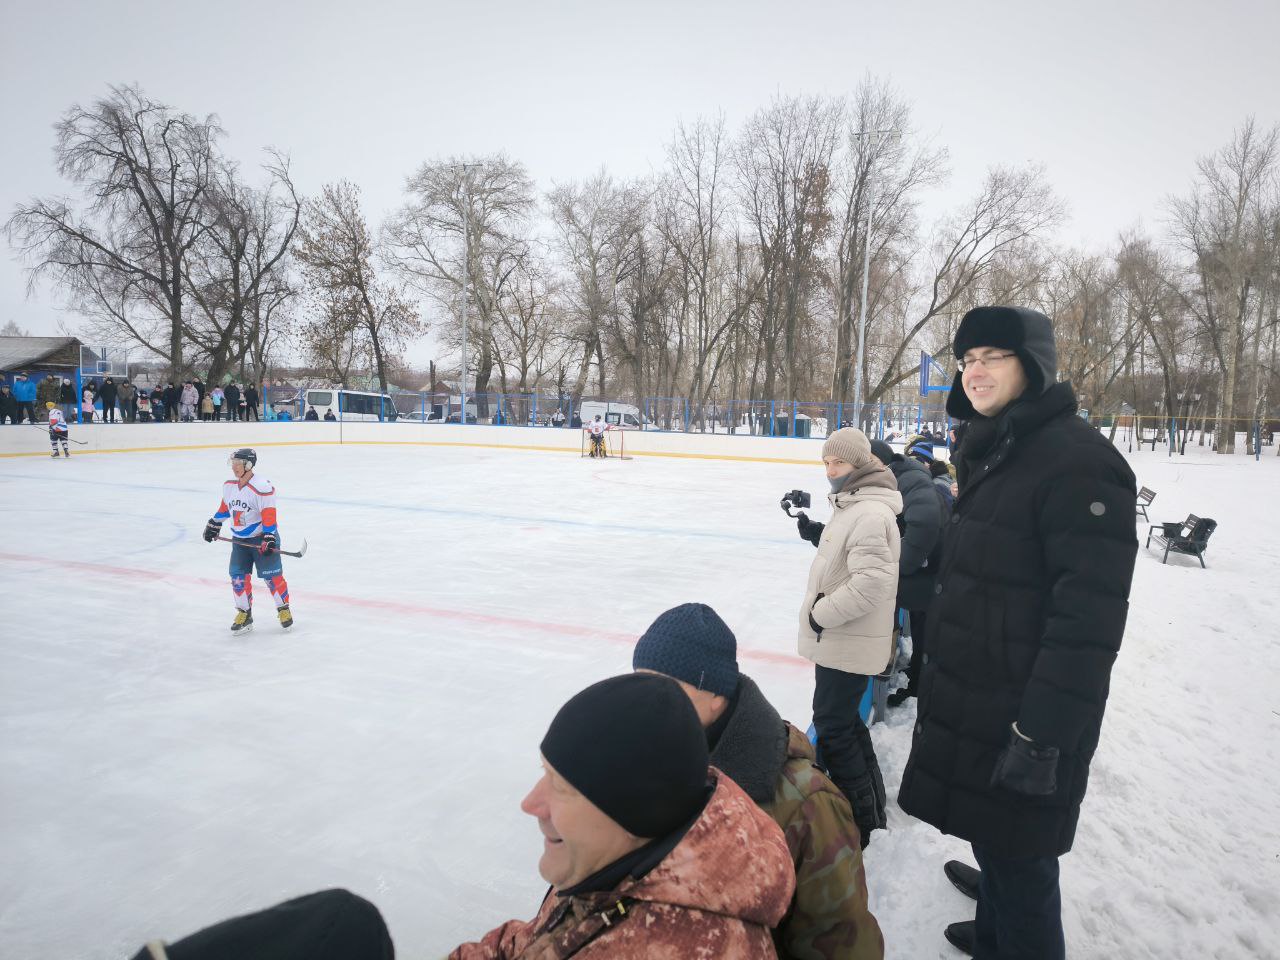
x=25, y=409
x=917, y=650
x=1019, y=909
x=844, y=742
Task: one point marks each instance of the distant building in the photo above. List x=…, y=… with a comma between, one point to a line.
x=39, y=357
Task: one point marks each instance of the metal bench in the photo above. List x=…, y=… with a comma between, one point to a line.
x=1190, y=537
x=1145, y=496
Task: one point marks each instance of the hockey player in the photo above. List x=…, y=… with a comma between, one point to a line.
x=596, y=428
x=57, y=429
x=250, y=503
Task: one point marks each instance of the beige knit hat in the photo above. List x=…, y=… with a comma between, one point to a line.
x=850, y=445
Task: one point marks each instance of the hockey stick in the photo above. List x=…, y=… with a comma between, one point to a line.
x=41, y=426
x=287, y=553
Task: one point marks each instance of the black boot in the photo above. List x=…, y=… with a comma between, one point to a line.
x=901, y=696
x=962, y=936
x=964, y=877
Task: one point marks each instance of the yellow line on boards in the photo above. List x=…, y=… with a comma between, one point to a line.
x=671, y=454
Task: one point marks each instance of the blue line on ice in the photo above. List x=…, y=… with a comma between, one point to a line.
x=450, y=512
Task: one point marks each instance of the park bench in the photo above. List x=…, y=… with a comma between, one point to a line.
x=1145, y=496
x=1191, y=537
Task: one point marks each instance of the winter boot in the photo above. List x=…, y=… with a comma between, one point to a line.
x=286, y=618
x=963, y=877
x=243, y=622
x=962, y=936
x=899, y=697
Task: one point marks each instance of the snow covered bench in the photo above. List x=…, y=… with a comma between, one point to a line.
x=1191, y=537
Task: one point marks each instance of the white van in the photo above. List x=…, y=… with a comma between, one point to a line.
x=350, y=404
x=624, y=415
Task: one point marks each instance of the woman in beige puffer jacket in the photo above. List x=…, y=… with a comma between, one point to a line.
x=846, y=620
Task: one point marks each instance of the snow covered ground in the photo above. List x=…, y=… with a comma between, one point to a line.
x=157, y=774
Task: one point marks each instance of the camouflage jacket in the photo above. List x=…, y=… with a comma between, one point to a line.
x=775, y=764
x=716, y=894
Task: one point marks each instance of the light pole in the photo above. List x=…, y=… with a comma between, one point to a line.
x=866, y=275
x=466, y=169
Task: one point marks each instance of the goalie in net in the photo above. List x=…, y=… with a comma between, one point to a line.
x=600, y=439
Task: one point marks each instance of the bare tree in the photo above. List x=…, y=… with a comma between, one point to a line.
x=238, y=280
x=784, y=163
x=899, y=169
x=147, y=172
x=1219, y=226
x=459, y=208
x=337, y=253
x=1013, y=207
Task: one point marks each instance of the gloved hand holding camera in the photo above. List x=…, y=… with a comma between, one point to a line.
x=810, y=530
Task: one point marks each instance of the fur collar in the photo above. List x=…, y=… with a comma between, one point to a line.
x=753, y=748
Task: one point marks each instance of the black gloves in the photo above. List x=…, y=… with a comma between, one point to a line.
x=270, y=544
x=1026, y=768
x=211, y=530
x=813, y=624
x=809, y=529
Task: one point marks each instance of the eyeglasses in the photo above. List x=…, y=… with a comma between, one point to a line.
x=990, y=361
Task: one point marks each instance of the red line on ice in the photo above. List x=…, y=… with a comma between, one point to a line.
x=400, y=606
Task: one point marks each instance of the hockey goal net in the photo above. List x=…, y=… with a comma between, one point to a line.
x=612, y=444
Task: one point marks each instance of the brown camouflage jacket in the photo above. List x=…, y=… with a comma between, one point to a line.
x=716, y=895
x=775, y=764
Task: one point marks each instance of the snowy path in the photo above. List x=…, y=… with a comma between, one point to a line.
x=158, y=774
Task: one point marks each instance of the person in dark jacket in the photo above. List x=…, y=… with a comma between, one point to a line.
x=128, y=399
x=107, y=394
x=172, y=397
x=1027, y=618
x=921, y=526
x=67, y=399
x=251, y=402
x=8, y=405
x=232, y=394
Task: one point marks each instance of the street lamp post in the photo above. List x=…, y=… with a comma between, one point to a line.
x=866, y=276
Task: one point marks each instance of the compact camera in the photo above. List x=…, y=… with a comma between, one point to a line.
x=795, y=498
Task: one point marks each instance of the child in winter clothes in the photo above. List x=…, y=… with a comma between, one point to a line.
x=57, y=429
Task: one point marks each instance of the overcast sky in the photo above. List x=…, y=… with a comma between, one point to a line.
x=1116, y=99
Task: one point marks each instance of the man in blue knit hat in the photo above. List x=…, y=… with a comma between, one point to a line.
x=774, y=763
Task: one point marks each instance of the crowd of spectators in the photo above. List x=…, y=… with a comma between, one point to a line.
x=108, y=400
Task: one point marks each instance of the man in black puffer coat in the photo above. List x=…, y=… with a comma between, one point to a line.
x=921, y=527
x=1028, y=613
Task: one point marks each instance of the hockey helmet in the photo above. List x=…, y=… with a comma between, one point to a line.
x=246, y=455
x=48, y=404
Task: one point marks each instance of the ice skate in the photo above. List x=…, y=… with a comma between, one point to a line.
x=286, y=618
x=243, y=622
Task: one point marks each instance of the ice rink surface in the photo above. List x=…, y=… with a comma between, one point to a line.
x=158, y=774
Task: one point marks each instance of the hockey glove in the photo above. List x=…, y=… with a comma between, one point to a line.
x=211, y=530
x=813, y=624
x=1026, y=768
x=269, y=545
x=809, y=529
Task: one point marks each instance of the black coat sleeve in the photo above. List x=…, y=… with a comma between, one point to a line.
x=1085, y=521
x=922, y=519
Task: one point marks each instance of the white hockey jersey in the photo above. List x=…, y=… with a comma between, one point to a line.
x=251, y=507
x=57, y=421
